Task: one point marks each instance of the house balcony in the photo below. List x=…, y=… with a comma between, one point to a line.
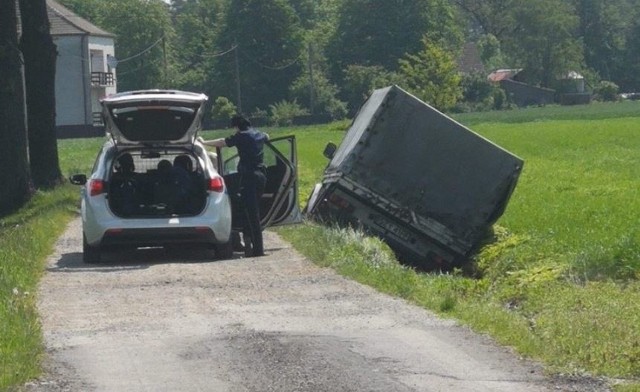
x=102, y=79
x=97, y=119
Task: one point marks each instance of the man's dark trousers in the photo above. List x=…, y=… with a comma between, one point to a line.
x=252, y=187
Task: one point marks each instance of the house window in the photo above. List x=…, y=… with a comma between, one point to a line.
x=97, y=61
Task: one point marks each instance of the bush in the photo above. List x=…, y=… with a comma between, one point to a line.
x=283, y=112
x=432, y=75
x=361, y=80
x=325, y=101
x=478, y=94
x=222, y=109
x=606, y=91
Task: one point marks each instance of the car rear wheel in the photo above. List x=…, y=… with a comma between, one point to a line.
x=90, y=254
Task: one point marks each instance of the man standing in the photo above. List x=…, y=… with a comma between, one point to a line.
x=249, y=142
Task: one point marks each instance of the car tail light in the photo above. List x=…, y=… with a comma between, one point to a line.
x=216, y=184
x=96, y=187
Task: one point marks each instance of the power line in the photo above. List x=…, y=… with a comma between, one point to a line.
x=142, y=52
x=280, y=68
x=126, y=59
x=219, y=54
x=139, y=67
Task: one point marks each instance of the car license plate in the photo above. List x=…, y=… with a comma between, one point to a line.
x=392, y=228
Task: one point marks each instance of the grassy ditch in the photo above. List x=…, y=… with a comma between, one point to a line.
x=26, y=239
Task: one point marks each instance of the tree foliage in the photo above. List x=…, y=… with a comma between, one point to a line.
x=493, y=17
x=378, y=33
x=144, y=34
x=360, y=81
x=196, y=24
x=432, y=75
x=545, y=42
x=323, y=93
x=282, y=113
x=603, y=27
x=223, y=109
x=629, y=78
x=266, y=42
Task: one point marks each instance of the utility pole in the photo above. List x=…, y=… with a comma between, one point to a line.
x=312, y=93
x=238, y=92
x=164, y=55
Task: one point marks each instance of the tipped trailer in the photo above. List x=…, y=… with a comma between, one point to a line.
x=427, y=185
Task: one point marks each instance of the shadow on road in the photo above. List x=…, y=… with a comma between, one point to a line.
x=117, y=260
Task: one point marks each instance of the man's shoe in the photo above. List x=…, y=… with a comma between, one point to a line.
x=248, y=250
x=238, y=246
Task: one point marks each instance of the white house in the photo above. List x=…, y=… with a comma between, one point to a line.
x=85, y=71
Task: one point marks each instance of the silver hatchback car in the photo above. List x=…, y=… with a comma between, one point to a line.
x=153, y=184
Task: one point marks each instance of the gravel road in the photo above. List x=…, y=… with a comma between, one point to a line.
x=152, y=320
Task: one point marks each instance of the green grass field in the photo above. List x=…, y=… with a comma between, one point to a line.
x=559, y=284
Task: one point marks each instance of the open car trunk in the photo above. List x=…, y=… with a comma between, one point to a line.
x=154, y=117
x=156, y=183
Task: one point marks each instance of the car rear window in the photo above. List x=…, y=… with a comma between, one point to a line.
x=156, y=122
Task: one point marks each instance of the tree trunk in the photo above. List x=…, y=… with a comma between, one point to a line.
x=40, y=71
x=15, y=182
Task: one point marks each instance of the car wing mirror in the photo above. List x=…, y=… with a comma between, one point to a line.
x=330, y=150
x=78, y=179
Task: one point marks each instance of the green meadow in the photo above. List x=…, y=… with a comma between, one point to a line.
x=558, y=282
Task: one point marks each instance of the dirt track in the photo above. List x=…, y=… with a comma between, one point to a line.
x=152, y=321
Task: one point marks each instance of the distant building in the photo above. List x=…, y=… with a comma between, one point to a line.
x=469, y=61
x=85, y=71
x=504, y=74
x=520, y=93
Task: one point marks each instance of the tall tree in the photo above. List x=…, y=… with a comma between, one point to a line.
x=40, y=55
x=144, y=33
x=604, y=27
x=196, y=24
x=629, y=79
x=144, y=38
x=88, y=9
x=378, y=33
x=15, y=176
x=267, y=42
x=432, y=75
x=545, y=41
x=492, y=17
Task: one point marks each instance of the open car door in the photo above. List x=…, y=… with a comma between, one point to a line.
x=279, y=202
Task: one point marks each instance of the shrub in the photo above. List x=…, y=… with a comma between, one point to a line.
x=479, y=94
x=432, y=75
x=222, y=109
x=283, y=112
x=361, y=80
x=325, y=101
x=606, y=91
